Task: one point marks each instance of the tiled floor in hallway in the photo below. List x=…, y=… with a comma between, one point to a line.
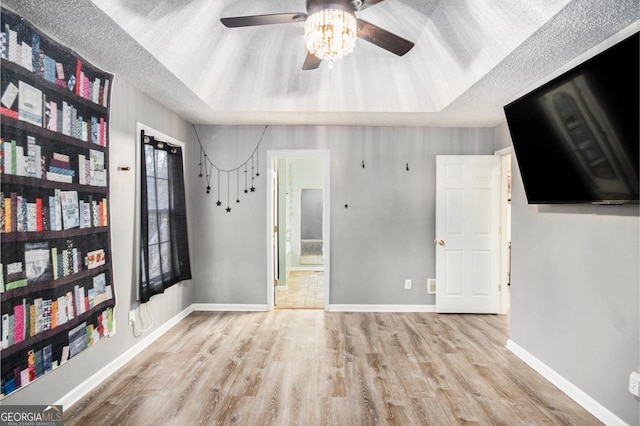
x=305, y=289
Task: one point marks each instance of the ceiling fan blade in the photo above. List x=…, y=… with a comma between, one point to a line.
x=276, y=18
x=383, y=38
x=368, y=3
x=311, y=62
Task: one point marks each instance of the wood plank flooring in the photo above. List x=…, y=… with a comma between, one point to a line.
x=310, y=367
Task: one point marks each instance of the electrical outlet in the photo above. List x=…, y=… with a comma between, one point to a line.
x=431, y=286
x=407, y=284
x=634, y=383
x=132, y=317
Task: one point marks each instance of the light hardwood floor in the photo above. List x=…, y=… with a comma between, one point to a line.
x=310, y=367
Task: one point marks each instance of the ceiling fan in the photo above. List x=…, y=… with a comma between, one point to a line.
x=331, y=29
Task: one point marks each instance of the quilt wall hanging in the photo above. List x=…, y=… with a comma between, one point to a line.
x=56, y=286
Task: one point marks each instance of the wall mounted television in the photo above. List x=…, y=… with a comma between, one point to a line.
x=576, y=137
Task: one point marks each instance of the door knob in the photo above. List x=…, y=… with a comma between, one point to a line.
x=441, y=242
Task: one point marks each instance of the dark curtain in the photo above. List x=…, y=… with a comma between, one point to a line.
x=164, y=246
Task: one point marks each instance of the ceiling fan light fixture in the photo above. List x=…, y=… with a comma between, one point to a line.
x=330, y=34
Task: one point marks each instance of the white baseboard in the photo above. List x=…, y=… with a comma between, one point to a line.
x=229, y=307
x=88, y=385
x=381, y=308
x=221, y=307
x=575, y=393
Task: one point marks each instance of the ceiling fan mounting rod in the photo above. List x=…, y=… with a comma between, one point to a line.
x=316, y=5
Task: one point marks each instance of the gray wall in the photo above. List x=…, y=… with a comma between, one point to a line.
x=128, y=105
x=575, y=294
x=384, y=237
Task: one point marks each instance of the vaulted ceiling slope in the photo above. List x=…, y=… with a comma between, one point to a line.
x=471, y=57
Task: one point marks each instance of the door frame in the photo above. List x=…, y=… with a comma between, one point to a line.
x=505, y=225
x=295, y=154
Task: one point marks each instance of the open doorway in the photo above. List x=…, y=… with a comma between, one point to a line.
x=298, y=229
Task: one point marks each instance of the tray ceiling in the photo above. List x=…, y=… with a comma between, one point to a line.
x=470, y=57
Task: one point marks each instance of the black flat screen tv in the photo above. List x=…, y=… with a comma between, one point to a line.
x=576, y=137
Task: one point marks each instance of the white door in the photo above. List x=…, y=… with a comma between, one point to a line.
x=467, y=233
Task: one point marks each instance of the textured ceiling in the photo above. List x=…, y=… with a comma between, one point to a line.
x=470, y=57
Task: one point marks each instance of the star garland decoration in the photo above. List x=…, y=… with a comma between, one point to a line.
x=207, y=167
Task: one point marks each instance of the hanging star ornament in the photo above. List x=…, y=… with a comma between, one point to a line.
x=207, y=169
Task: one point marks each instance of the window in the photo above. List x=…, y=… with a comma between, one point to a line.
x=164, y=246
